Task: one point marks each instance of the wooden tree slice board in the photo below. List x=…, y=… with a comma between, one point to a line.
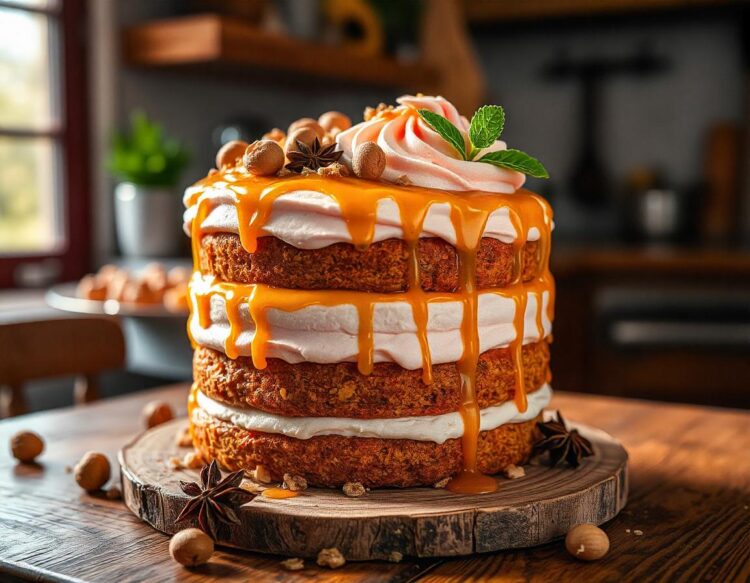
x=421, y=522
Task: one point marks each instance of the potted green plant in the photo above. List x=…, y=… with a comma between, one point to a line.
x=147, y=203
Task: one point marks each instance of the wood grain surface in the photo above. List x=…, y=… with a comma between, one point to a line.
x=421, y=522
x=689, y=497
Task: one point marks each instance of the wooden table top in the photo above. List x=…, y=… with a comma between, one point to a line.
x=689, y=500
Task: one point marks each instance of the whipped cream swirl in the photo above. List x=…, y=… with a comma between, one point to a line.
x=416, y=153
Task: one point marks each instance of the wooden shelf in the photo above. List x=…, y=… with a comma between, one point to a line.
x=483, y=11
x=214, y=42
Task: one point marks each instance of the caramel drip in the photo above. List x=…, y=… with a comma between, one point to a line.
x=516, y=348
x=413, y=213
x=468, y=236
x=279, y=493
x=366, y=336
x=232, y=300
x=358, y=202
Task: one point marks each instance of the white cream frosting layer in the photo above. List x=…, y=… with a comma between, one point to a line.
x=417, y=152
x=308, y=219
x=436, y=428
x=329, y=334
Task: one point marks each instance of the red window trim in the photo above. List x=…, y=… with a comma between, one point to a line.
x=75, y=257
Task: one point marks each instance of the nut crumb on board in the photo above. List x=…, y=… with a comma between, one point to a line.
x=331, y=558
x=295, y=483
x=294, y=564
x=183, y=438
x=514, y=472
x=354, y=489
x=261, y=474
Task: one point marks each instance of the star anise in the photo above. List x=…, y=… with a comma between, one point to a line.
x=313, y=156
x=561, y=443
x=215, y=501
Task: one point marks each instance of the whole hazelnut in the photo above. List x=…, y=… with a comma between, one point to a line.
x=178, y=275
x=91, y=288
x=587, y=542
x=175, y=299
x=26, y=446
x=139, y=292
x=334, y=120
x=92, y=472
x=275, y=134
x=157, y=412
x=307, y=122
x=230, y=153
x=368, y=161
x=117, y=286
x=155, y=275
x=305, y=135
x=263, y=158
x=331, y=557
x=191, y=547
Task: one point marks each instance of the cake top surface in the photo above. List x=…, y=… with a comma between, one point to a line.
x=422, y=142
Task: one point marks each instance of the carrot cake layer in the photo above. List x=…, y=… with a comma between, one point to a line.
x=382, y=267
x=340, y=390
x=333, y=460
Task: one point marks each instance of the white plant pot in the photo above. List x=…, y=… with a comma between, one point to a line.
x=147, y=220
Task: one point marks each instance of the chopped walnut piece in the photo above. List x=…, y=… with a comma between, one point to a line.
x=295, y=564
x=284, y=172
x=335, y=170
x=404, y=180
x=295, y=483
x=395, y=557
x=251, y=487
x=354, y=489
x=442, y=483
x=514, y=472
x=261, y=474
x=637, y=532
x=193, y=460
x=275, y=134
x=183, y=438
x=190, y=461
x=283, y=393
x=331, y=558
x=371, y=112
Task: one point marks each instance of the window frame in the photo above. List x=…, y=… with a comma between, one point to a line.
x=72, y=135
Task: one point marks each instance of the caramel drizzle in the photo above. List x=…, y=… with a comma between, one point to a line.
x=358, y=200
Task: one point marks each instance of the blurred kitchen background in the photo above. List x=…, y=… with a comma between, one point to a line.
x=638, y=108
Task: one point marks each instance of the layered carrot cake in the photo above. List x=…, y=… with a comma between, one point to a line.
x=371, y=303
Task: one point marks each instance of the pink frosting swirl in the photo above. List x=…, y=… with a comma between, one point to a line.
x=415, y=153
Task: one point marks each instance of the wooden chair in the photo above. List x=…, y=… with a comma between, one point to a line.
x=80, y=347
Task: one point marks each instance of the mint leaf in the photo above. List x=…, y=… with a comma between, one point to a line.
x=486, y=126
x=516, y=160
x=446, y=129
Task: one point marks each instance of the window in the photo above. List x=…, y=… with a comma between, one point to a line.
x=43, y=158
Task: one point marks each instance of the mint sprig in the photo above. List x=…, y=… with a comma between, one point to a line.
x=446, y=129
x=486, y=126
x=516, y=160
